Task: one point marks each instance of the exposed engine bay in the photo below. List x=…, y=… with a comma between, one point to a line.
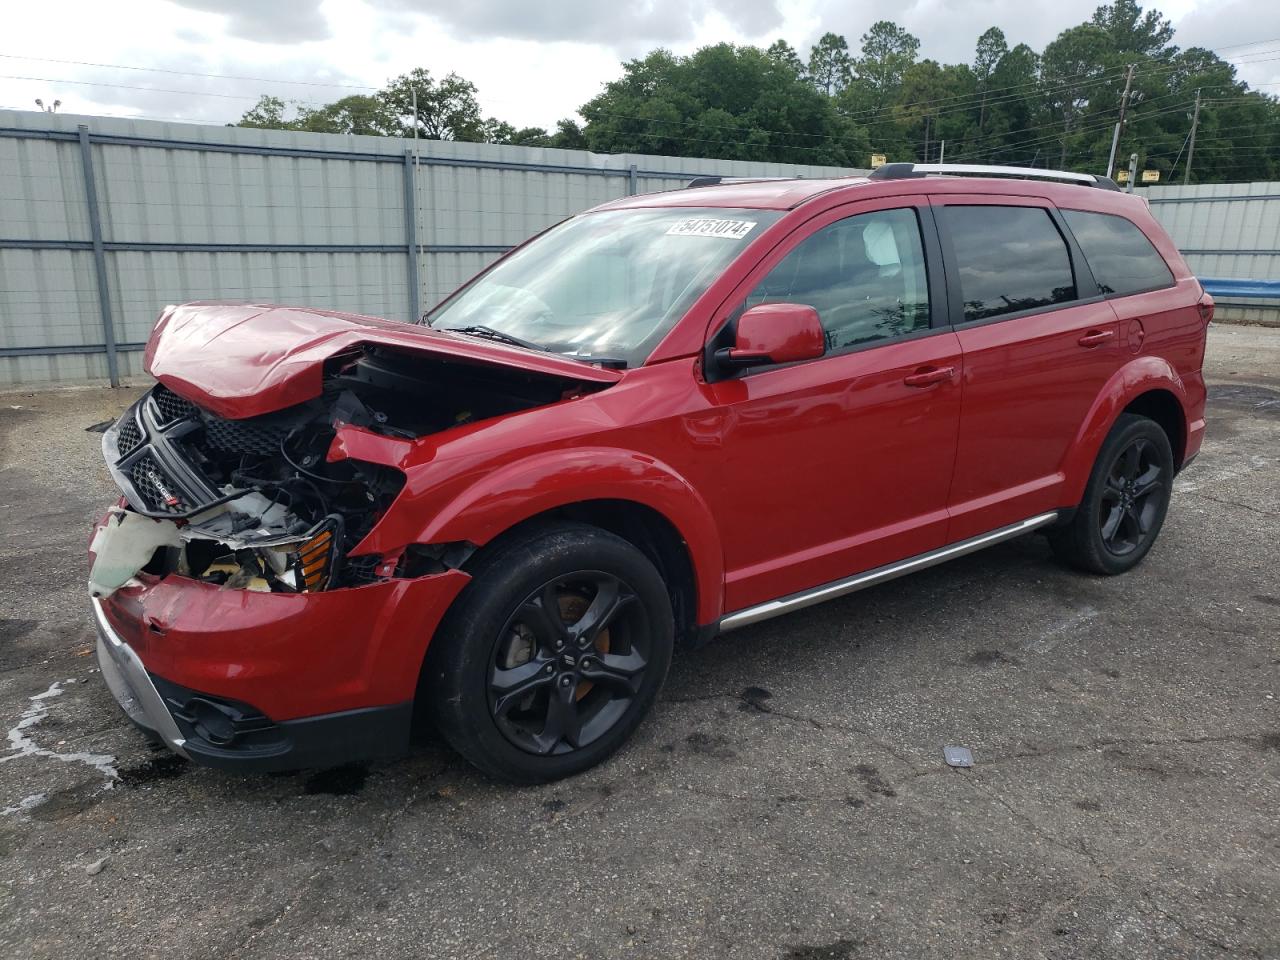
x=259, y=503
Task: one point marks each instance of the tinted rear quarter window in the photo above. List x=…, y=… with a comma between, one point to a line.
x=1010, y=259
x=1121, y=257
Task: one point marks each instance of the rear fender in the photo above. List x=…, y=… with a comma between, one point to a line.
x=1135, y=378
x=519, y=491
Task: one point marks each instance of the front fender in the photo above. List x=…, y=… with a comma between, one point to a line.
x=1138, y=376
x=510, y=494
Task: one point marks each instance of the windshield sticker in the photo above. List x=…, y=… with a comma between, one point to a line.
x=703, y=227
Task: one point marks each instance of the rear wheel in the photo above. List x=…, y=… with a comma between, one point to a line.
x=1125, y=502
x=553, y=654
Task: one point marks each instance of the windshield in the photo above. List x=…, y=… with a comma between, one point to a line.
x=604, y=285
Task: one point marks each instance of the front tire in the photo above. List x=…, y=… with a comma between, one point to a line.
x=1125, y=502
x=552, y=655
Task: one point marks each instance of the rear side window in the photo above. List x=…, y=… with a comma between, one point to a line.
x=1010, y=259
x=1120, y=255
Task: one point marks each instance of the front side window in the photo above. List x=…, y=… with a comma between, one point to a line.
x=1120, y=255
x=1010, y=259
x=865, y=276
x=605, y=285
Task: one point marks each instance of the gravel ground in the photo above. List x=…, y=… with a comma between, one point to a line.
x=787, y=799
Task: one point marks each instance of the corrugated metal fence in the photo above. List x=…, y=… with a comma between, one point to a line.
x=105, y=221
x=1227, y=232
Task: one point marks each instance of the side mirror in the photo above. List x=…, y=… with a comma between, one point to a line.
x=775, y=333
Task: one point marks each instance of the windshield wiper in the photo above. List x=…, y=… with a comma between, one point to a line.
x=488, y=333
x=476, y=330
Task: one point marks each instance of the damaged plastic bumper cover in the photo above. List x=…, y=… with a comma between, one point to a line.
x=129, y=683
x=258, y=682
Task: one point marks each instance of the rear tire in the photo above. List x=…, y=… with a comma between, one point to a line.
x=552, y=655
x=1125, y=501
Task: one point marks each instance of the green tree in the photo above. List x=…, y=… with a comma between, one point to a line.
x=721, y=101
x=1070, y=69
x=568, y=135
x=887, y=51
x=1134, y=32
x=829, y=63
x=447, y=108
x=358, y=114
x=991, y=48
x=1011, y=107
x=783, y=54
x=267, y=113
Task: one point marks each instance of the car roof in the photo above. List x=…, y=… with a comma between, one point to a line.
x=743, y=194
x=780, y=194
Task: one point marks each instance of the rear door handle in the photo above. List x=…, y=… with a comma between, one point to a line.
x=1096, y=338
x=927, y=376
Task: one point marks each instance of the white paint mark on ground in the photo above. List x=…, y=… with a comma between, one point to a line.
x=1060, y=631
x=25, y=804
x=21, y=745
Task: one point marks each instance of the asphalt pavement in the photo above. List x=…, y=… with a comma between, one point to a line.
x=787, y=799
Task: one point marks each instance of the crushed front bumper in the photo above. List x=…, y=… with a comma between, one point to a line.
x=258, y=682
x=132, y=687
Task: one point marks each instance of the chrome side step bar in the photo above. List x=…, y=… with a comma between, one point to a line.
x=869, y=578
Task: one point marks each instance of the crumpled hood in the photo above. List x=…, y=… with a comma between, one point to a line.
x=241, y=360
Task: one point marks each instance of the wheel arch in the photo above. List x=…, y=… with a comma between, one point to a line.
x=1148, y=386
x=1162, y=406
x=634, y=496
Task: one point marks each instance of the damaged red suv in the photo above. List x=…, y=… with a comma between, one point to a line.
x=672, y=416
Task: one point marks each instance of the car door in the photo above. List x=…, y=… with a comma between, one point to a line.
x=1039, y=342
x=840, y=464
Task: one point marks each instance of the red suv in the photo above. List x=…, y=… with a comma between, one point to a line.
x=672, y=416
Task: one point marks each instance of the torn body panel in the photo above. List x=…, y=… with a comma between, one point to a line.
x=244, y=360
x=280, y=501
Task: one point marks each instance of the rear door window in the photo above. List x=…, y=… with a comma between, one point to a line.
x=1009, y=258
x=1121, y=257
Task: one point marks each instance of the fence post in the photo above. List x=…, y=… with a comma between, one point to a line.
x=411, y=237
x=631, y=180
x=99, y=256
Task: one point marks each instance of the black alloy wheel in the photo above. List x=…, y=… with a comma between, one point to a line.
x=1131, y=497
x=552, y=654
x=568, y=662
x=1125, y=500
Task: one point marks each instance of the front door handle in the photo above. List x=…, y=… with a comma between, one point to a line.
x=927, y=376
x=1096, y=338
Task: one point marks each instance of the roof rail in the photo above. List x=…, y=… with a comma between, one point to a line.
x=713, y=181
x=906, y=171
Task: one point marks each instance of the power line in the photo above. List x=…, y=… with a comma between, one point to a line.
x=184, y=73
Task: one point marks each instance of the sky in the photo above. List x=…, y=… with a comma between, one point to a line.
x=534, y=61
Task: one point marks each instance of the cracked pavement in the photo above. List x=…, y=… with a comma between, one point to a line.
x=787, y=799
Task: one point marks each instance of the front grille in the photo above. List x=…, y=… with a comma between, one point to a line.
x=155, y=487
x=129, y=436
x=171, y=407
x=244, y=436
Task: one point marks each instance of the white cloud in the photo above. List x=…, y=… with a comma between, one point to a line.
x=533, y=62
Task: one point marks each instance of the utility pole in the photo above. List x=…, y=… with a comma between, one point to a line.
x=1115, y=137
x=417, y=206
x=1191, y=147
x=1133, y=172
x=942, y=154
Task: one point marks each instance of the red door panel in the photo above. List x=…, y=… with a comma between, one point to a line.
x=836, y=466
x=1030, y=380
x=1028, y=384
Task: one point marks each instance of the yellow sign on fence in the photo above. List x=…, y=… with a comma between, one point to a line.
x=878, y=160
